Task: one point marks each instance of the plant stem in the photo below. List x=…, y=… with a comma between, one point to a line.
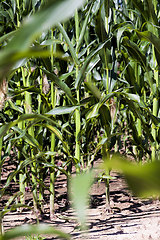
x=40, y=109
x=139, y=124
x=105, y=158
x=18, y=8
x=20, y=158
x=155, y=109
x=77, y=112
x=1, y=164
x=1, y=225
x=28, y=109
x=52, y=172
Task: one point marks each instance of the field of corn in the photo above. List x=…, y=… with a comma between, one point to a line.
x=79, y=80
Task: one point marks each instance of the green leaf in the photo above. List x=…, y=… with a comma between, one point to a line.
x=57, y=133
x=134, y=97
x=84, y=28
x=27, y=137
x=121, y=30
x=150, y=37
x=129, y=74
x=144, y=180
x=151, y=12
x=54, y=130
x=82, y=71
x=7, y=36
x=24, y=117
x=28, y=230
x=140, y=6
x=21, y=166
x=71, y=48
x=62, y=110
x=94, y=112
x=135, y=52
x=13, y=106
x=138, y=56
x=106, y=7
x=61, y=84
x=94, y=90
x=80, y=186
x=66, y=75
x=48, y=16
x=100, y=26
x=105, y=118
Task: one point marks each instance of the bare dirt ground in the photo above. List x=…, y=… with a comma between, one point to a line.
x=131, y=218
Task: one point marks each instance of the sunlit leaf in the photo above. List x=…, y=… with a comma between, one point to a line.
x=62, y=110
x=94, y=112
x=150, y=37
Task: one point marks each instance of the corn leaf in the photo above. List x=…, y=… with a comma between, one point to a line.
x=62, y=110
x=82, y=71
x=144, y=180
x=30, y=117
x=80, y=186
x=150, y=37
x=70, y=46
x=93, y=112
x=94, y=90
x=83, y=29
x=28, y=230
x=62, y=85
x=27, y=137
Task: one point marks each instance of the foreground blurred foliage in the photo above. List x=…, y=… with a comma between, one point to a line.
x=143, y=181
x=75, y=91
x=28, y=230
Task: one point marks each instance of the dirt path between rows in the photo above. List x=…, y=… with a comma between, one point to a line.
x=132, y=218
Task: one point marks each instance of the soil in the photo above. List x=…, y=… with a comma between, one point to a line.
x=131, y=218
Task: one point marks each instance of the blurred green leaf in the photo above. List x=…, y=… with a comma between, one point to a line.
x=27, y=230
x=80, y=186
x=48, y=16
x=143, y=180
